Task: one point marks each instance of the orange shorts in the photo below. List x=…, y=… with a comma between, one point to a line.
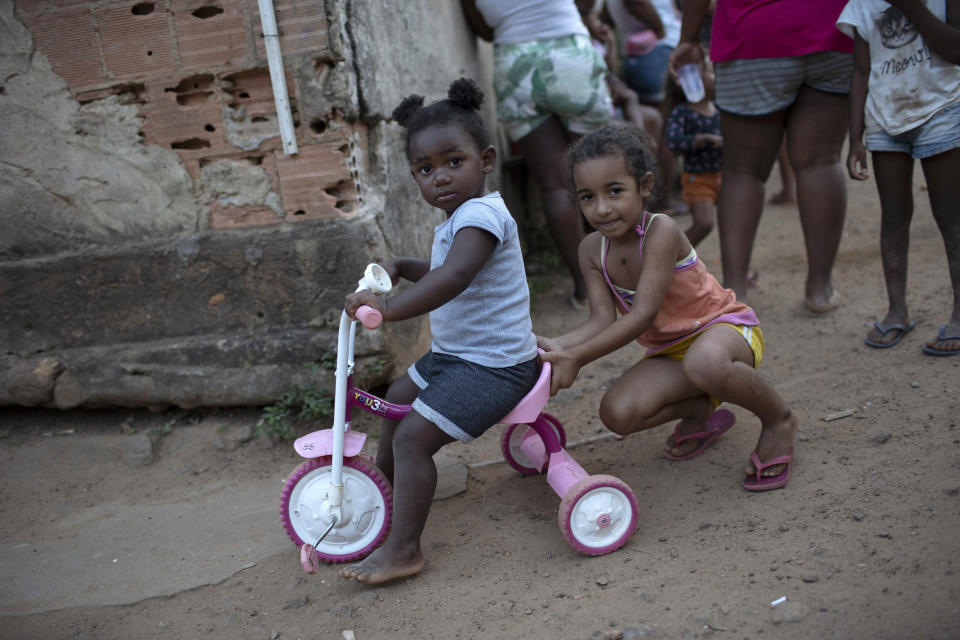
x=701, y=187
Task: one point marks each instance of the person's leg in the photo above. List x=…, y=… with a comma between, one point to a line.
x=720, y=362
x=894, y=176
x=788, y=181
x=415, y=440
x=403, y=390
x=816, y=128
x=667, y=396
x=750, y=145
x=941, y=172
x=704, y=217
x=545, y=151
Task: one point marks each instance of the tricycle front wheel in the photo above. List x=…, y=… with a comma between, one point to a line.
x=367, y=508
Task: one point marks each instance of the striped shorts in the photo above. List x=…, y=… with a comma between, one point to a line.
x=763, y=86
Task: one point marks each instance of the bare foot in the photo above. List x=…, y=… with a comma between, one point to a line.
x=783, y=197
x=821, y=304
x=775, y=440
x=383, y=565
x=752, y=278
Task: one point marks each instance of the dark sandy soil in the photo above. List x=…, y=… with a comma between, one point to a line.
x=863, y=542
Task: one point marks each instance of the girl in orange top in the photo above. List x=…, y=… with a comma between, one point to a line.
x=703, y=345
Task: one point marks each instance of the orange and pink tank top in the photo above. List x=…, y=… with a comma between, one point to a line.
x=694, y=301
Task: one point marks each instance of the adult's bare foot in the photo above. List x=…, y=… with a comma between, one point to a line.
x=384, y=565
x=820, y=304
x=775, y=440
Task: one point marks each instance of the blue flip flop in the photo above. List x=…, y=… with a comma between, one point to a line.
x=941, y=336
x=904, y=330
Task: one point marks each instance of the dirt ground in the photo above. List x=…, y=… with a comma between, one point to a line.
x=862, y=543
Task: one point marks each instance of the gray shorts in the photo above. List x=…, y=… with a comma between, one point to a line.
x=465, y=399
x=763, y=86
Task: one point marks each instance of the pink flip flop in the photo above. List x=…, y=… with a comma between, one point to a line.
x=763, y=483
x=718, y=422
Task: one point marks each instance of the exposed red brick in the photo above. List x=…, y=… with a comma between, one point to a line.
x=213, y=33
x=231, y=216
x=302, y=25
x=186, y=117
x=69, y=40
x=29, y=8
x=317, y=182
x=137, y=45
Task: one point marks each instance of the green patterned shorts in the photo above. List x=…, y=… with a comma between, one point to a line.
x=562, y=76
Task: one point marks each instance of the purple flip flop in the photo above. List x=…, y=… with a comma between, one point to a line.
x=757, y=482
x=718, y=422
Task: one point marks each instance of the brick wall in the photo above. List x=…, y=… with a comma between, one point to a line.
x=197, y=70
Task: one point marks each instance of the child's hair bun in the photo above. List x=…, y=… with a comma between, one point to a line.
x=465, y=92
x=405, y=110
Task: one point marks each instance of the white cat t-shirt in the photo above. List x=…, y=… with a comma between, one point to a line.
x=908, y=82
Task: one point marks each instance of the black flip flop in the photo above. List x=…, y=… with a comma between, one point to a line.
x=904, y=330
x=941, y=336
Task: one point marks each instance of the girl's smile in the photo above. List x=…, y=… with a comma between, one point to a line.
x=448, y=167
x=609, y=196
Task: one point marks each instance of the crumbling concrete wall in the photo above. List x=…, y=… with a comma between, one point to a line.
x=157, y=247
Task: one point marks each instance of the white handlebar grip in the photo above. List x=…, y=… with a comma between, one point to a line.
x=369, y=317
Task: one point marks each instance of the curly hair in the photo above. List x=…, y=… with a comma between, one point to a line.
x=617, y=140
x=461, y=107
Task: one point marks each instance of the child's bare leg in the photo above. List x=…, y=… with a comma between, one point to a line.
x=704, y=218
x=415, y=440
x=403, y=390
x=894, y=177
x=721, y=363
x=941, y=172
x=667, y=395
x=788, y=181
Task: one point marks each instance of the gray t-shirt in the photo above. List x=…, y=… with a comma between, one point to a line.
x=489, y=322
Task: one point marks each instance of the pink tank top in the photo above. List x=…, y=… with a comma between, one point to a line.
x=694, y=301
x=748, y=29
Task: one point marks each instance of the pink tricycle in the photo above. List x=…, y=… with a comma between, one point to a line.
x=337, y=506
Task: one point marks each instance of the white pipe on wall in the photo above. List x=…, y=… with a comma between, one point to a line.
x=271, y=39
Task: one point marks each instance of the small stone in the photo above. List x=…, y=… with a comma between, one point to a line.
x=883, y=438
x=216, y=299
x=704, y=525
x=789, y=612
x=296, y=603
x=674, y=553
x=884, y=534
x=857, y=516
x=138, y=450
x=809, y=577
x=914, y=384
x=783, y=528
x=602, y=581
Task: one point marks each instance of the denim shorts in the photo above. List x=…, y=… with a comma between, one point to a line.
x=463, y=398
x=938, y=134
x=762, y=86
x=646, y=74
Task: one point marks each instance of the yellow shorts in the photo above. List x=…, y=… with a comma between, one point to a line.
x=750, y=333
x=700, y=187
